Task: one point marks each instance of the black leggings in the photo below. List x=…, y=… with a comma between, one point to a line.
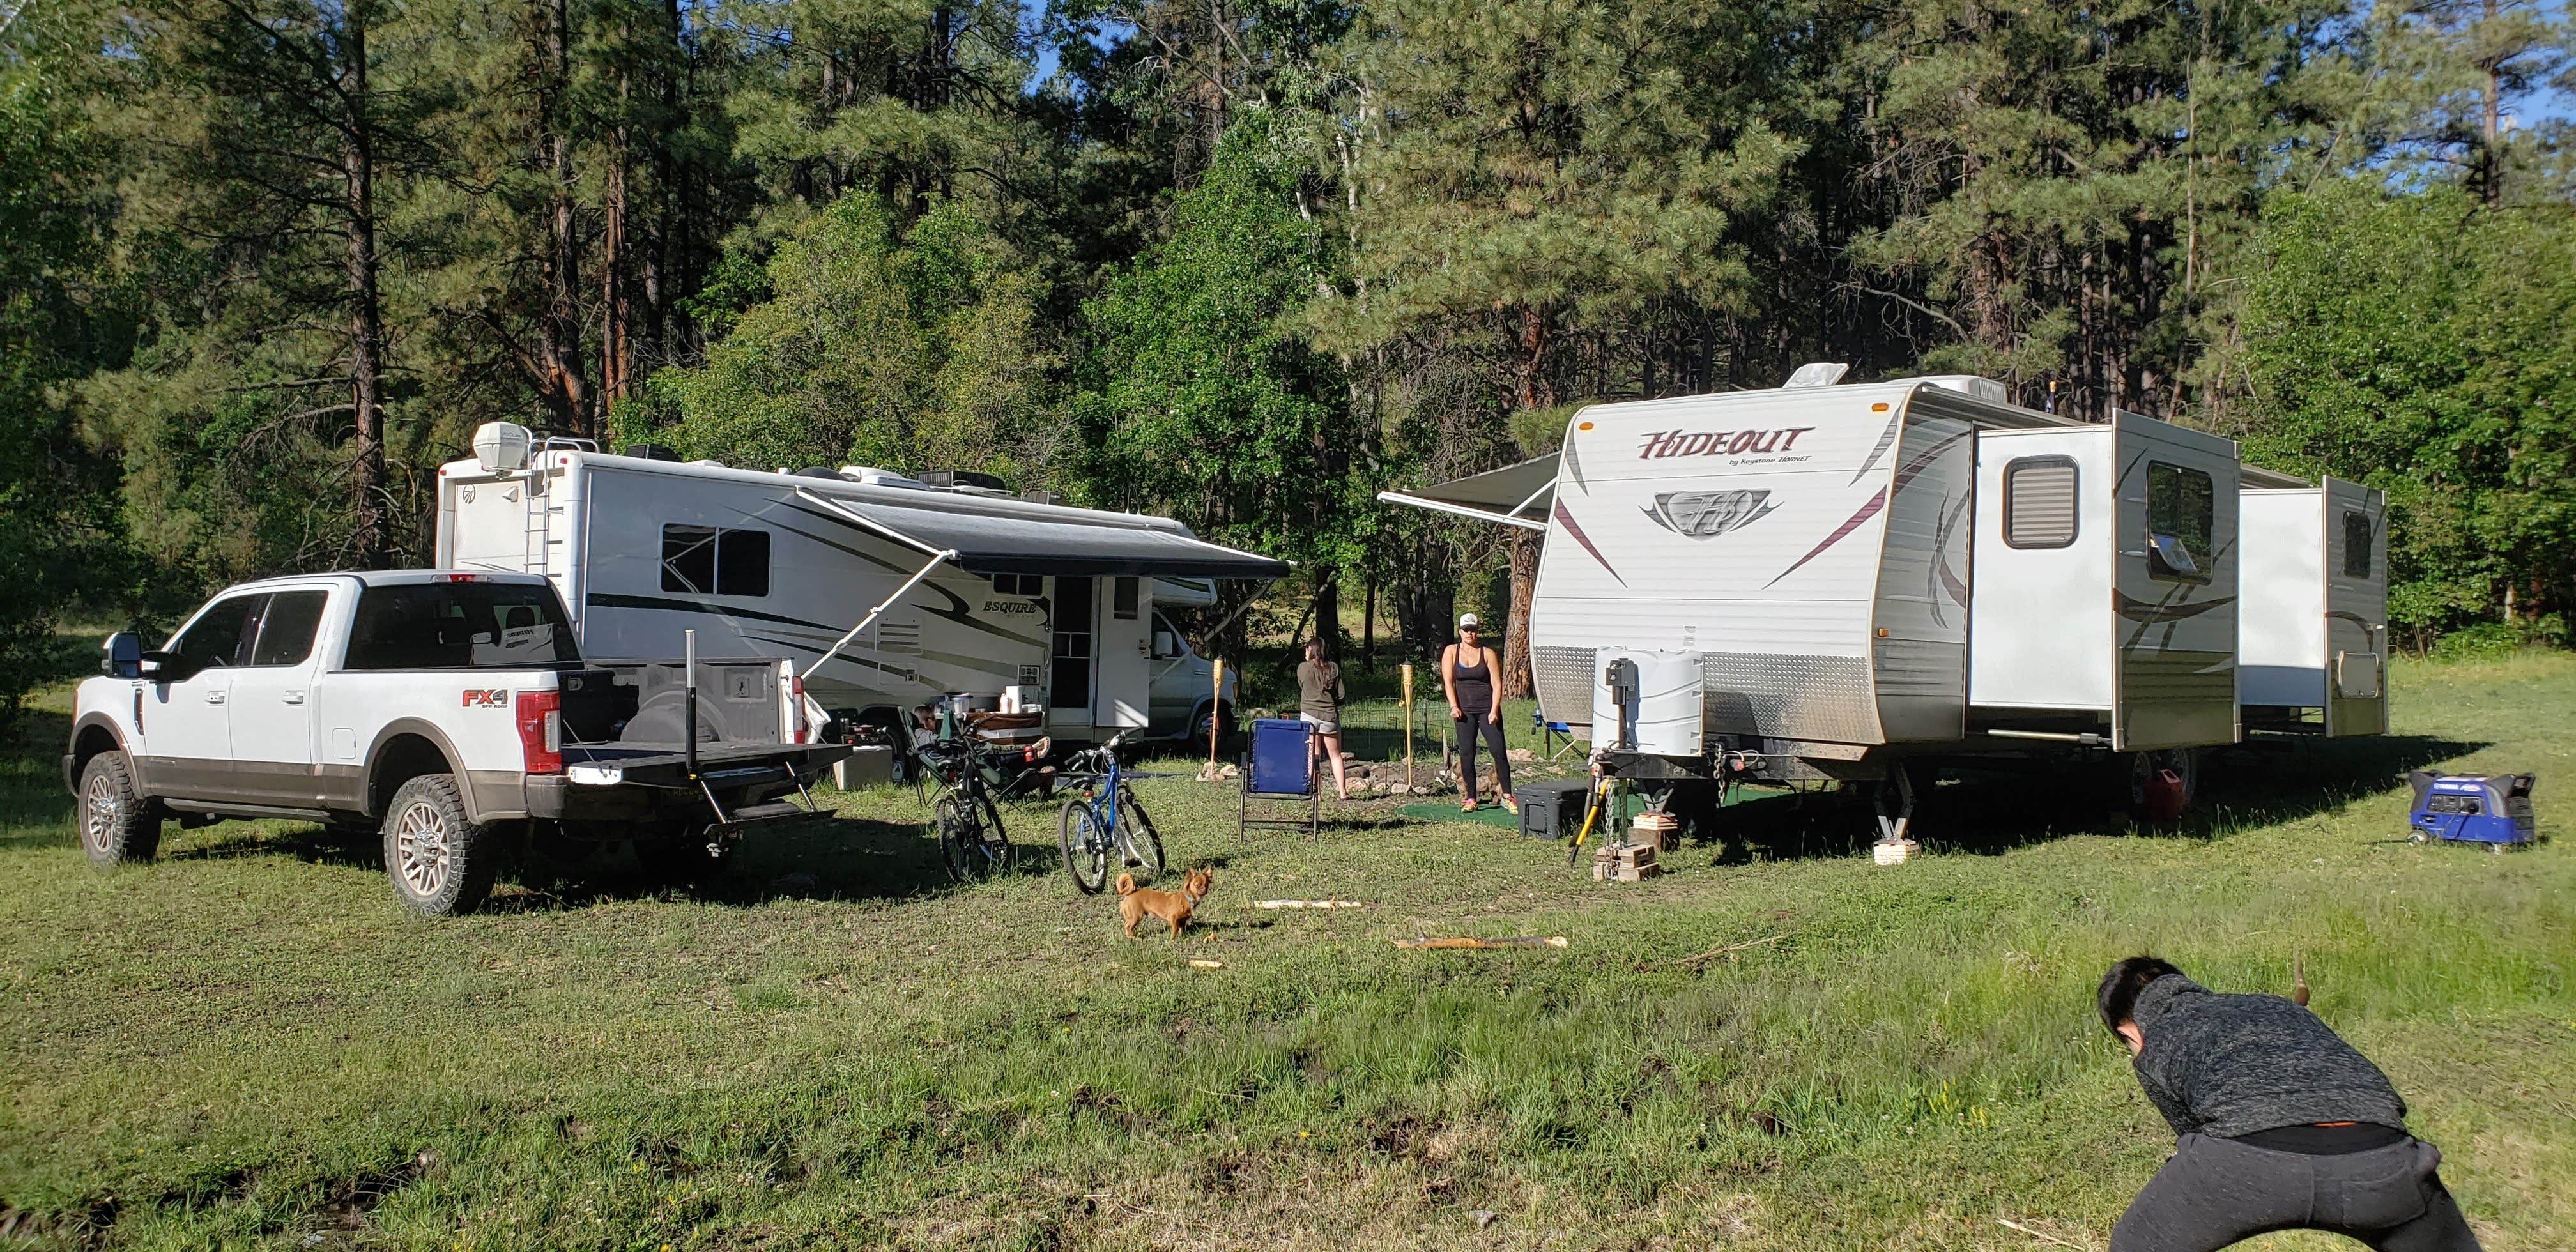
x=1469, y=728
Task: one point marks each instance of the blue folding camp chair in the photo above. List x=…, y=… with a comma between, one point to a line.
x=1280, y=769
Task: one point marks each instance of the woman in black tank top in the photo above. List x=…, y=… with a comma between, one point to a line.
x=1467, y=672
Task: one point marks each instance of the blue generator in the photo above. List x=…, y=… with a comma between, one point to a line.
x=2493, y=809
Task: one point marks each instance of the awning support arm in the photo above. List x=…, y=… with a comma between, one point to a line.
x=1526, y=501
x=870, y=619
x=1443, y=506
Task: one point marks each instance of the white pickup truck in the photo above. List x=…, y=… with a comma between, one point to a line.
x=449, y=712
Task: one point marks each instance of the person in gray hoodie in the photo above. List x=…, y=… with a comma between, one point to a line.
x=2280, y=1125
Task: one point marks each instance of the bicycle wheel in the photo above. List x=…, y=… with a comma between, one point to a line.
x=960, y=840
x=996, y=848
x=1137, y=836
x=1086, y=850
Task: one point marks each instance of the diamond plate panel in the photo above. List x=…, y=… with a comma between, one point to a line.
x=1790, y=697
x=1564, y=679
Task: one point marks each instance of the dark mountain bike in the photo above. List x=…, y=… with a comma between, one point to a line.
x=972, y=842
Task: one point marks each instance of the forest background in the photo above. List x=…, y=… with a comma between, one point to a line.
x=265, y=263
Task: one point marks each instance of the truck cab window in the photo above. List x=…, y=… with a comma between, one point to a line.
x=707, y=560
x=460, y=625
x=2357, y=536
x=2181, y=513
x=286, y=629
x=215, y=638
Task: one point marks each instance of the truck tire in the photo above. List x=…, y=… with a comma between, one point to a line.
x=117, y=824
x=441, y=863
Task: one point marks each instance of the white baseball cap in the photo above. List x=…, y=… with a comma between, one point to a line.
x=1467, y=621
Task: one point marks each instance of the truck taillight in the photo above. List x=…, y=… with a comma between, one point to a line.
x=540, y=735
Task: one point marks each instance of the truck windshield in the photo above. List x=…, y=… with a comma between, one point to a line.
x=460, y=625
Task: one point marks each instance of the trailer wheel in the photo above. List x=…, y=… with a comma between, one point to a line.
x=2163, y=785
x=117, y=824
x=440, y=861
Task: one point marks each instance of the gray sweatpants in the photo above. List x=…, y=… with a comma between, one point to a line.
x=2214, y=1192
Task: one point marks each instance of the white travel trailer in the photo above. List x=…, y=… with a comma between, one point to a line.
x=885, y=591
x=2315, y=638
x=1820, y=581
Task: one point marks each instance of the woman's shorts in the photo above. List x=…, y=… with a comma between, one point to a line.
x=1321, y=726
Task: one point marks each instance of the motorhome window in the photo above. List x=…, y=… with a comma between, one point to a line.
x=215, y=638
x=2181, y=512
x=2356, y=545
x=286, y=629
x=1122, y=599
x=742, y=563
x=460, y=625
x=2039, y=502
x=1030, y=585
x=704, y=560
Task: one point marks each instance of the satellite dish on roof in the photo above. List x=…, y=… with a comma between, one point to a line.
x=502, y=447
x=1818, y=374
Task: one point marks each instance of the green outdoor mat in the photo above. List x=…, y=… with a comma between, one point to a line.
x=1447, y=811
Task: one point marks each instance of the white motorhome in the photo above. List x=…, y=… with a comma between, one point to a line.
x=886, y=591
x=1820, y=580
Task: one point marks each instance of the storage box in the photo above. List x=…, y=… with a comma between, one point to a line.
x=868, y=766
x=1552, y=809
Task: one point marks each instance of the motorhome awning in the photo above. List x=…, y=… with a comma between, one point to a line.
x=1518, y=494
x=995, y=543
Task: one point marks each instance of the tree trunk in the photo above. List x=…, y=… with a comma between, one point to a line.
x=369, y=539
x=1368, y=625
x=615, y=360
x=1328, y=610
x=565, y=390
x=1516, y=653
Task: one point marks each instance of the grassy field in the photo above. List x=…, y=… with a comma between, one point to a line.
x=247, y=1044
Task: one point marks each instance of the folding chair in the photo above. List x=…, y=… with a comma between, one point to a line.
x=1278, y=770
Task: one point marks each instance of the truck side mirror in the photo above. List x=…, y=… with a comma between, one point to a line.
x=121, y=656
x=165, y=667
x=1166, y=645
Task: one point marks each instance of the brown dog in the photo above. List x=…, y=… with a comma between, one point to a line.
x=1172, y=906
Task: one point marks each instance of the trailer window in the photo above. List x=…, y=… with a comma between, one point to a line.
x=1030, y=585
x=706, y=560
x=1122, y=599
x=460, y=625
x=2181, y=512
x=2039, y=502
x=286, y=629
x=2356, y=545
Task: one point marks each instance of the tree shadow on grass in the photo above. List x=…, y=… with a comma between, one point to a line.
x=1992, y=807
x=35, y=807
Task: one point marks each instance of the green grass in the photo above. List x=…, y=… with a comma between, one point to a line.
x=247, y=1044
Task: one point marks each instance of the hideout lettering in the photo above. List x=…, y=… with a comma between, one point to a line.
x=1670, y=443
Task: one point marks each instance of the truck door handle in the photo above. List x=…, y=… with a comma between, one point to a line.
x=294, y=697
x=214, y=697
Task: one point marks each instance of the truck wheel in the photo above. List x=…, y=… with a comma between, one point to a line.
x=117, y=825
x=440, y=862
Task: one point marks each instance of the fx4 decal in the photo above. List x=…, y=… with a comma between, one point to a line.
x=473, y=699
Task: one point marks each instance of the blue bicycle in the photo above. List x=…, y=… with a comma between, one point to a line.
x=1105, y=822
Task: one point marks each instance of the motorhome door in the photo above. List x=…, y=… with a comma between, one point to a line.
x=1123, y=646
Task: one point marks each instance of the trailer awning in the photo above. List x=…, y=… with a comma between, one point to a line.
x=1000, y=543
x=1520, y=495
